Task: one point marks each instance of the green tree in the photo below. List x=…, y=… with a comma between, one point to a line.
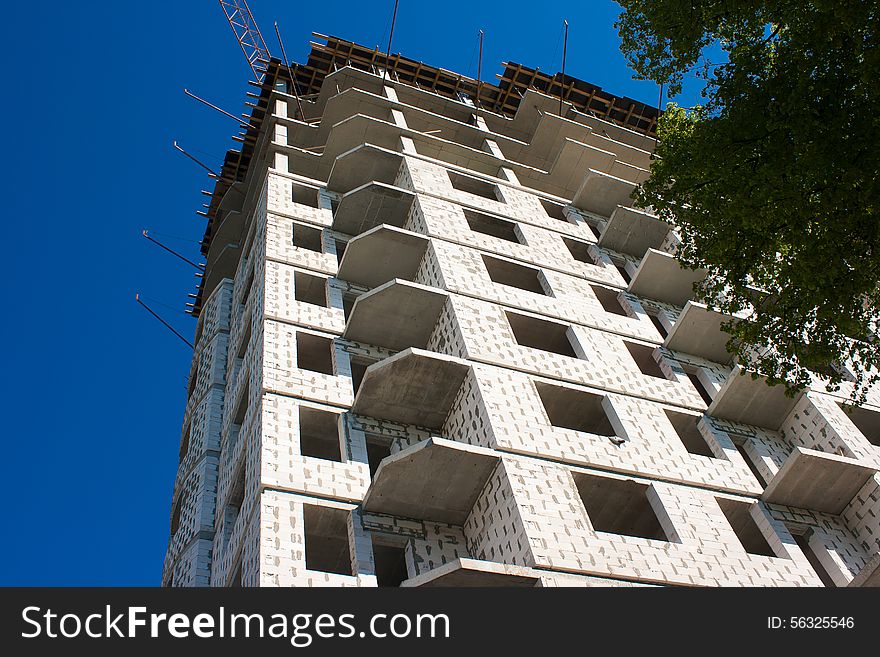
x=773, y=180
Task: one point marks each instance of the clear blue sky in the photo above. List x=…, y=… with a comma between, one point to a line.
x=93, y=387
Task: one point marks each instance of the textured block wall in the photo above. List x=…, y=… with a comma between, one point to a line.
x=245, y=487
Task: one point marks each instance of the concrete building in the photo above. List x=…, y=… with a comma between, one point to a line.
x=437, y=346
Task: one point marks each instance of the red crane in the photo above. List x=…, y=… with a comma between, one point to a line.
x=249, y=37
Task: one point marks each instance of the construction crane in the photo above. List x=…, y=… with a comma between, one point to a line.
x=249, y=37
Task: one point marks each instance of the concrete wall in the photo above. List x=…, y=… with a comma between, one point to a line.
x=244, y=487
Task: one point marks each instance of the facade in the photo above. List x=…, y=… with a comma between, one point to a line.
x=437, y=346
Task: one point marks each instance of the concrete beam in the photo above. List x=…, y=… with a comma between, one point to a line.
x=698, y=331
x=601, y=193
x=660, y=277
x=361, y=165
x=750, y=401
x=381, y=254
x=396, y=315
x=412, y=387
x=633, y=231
x=472, y=572
x=437, y=480
x=817, y=481
x=371, y=205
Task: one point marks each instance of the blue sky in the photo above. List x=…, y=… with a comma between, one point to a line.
x=93, y=387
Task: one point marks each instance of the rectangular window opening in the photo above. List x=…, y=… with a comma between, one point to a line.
x=248, y=286
x=803, y=542
x=319, y=434
x=577, y=410
x=540, y=334
x=580, y=251
x=193, y=380
x=620, y=265
x=184, y=442
x=473, y=185
x=689, y=433
x=866, y=421
x=643, y=356
x=340, y=250
x=389, y=557
x=306, y=237
x=492, y=226
x=242, y=406
x=326, y=538
x=749, y=462
x=175, y=515
x=310, y=289
x=235, y=500
x=358, y=368
x=655, y=320
x=744, y=526
x=235, y=581
x=245, y=341
x=314, y=353
x=609, y=300
x=347, y=304
x=304, y=195
x=619, y=506
x=514, y=275
x=554, y=210
x=378, y=448
x=701, y=389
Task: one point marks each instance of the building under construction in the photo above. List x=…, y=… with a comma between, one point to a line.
x=436, y=345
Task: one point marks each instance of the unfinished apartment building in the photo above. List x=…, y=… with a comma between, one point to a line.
x=437, y=346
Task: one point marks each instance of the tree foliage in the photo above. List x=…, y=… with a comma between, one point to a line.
x=773, y=180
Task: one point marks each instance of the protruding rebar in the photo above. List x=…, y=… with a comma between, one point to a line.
x=145, y=233
x=196, y=160
x=137, y=298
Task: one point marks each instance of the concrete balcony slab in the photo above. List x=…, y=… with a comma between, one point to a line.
x=601, y=193
x=396, y=315
x=752, y=401
x=473, y=572
x=361, y=165
x=412, y=387
x=381, y=254
x=437, y=480
x=633, y=231
x=660, y=277
x=698, y=332
x=817, y=481
x=371, y=205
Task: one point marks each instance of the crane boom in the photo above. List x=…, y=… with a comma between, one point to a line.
x=248, y=34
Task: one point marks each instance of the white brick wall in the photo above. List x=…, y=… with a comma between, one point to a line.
x=529, y=513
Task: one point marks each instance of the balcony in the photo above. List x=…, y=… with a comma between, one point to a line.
x=412, y=387
x=601, y=193
x=362, y=165
x=752, y=401
x=472, y=572
x=817, y=481
x=633, y=231
x=698, y=332
x=395, y=315
x=371, y=205
x=381, y=254
x=660, y=277
x=437, y=480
